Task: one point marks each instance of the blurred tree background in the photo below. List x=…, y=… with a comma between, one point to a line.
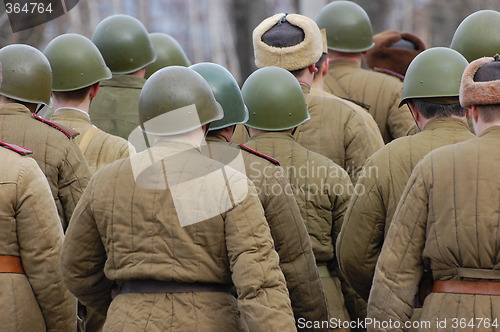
x=220, y=31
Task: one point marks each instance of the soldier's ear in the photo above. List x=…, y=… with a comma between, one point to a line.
x=472, y=111
x=414, y=111
x=94, y=89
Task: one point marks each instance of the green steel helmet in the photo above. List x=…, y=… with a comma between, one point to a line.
x=478, y=35
x=168, y=53
x=76, y=62
x=226, y=92
x=274, y=99
x=176, y=100
x=434, y=73
x=26, y=74
x=124, y=43
x=348, y=27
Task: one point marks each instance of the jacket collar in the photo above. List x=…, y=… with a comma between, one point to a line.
x=273, y=135
x=491, y=131
x=447, y=122
x=68, y=113
x=14, y=109
x=215, y=138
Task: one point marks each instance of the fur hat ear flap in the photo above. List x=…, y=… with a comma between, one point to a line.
x=387, y=56
x=386, y=38
x=419, y=43
x=479, y=92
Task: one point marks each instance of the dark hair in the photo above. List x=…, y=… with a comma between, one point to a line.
x=74, y=95
x=433, y=110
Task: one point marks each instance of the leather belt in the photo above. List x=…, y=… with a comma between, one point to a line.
x=157, y=286
x=11, y=264
x=467, y=287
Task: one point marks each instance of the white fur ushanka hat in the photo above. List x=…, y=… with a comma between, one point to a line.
x=293, y=57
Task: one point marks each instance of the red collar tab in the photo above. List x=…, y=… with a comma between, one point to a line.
x=17, y=148
x=56, y=126
x=247, y=149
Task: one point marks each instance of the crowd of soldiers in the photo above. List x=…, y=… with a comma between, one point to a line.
x=143, y=193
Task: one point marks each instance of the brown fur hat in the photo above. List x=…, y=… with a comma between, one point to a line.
x=394, y=58
x=483, y=90
x=297, y=56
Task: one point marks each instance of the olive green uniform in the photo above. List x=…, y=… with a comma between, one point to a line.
x=56, y=153
x=322, y=191
x=36, y=300
x=369, y=215
x=98, y=147
x=380, y=91
x=105, y=244
x=337, y=132
x=115, y=108
x=447, y=219
x=287, y=227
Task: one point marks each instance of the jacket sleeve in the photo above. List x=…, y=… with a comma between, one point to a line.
x=358, y=146
x=84, y=256
x=40, y=238
x=74, y=175
x=362, y=234
x=399, y=268
x=262, y=293
x=294, y=249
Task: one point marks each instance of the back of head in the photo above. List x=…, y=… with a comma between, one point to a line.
x=176, y=100
x=226, y=92
x=348, y=27
x=76, y=63
x=26, y=74
x=394, y=51
x=274, y=99
x=478, y=35
x=434, y=75
x=288, y=41
x=481, y=83
x=124, y=43
x=168, y=53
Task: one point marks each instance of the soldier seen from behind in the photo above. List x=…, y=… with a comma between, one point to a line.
x=447, y=220
x=294, y=42
x=171, y=230
x=127, y=49
x=430, y=89
x=27, y=83
x=280, y=208
x=322, y=188
x=349, y=34
x=77, y=70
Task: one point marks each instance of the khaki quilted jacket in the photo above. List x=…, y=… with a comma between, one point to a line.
x=58, y=156
x=447, y=220
x=177, y=217
x=36, y=301
x=380, y=91
x=369, y=214
x=98, y=147
x=322, y=191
